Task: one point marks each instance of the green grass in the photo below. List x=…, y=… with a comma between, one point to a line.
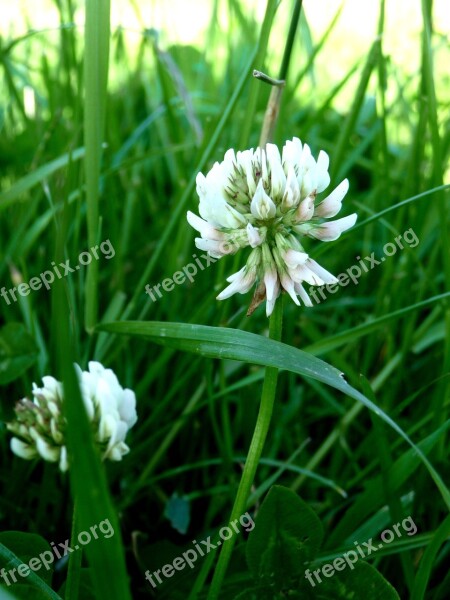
x=116, y=158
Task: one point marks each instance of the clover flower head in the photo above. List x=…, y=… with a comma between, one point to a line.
x=39, y=427
x=267, y=201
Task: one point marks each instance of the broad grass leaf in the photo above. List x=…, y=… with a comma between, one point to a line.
x=234, y=344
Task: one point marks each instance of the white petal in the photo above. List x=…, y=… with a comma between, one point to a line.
x=328, y=232
x=325, y=275
x=215, y=179
x=107, y=428
x=323, y=161
x=22, y=449
x=114, y=453
x=262, y=206
x=288, y=285
x=201, y=184
x=306, y=163
x=292, y=153
x=215, y=249
x=302, y=273
x=89, y=406
x=305, y=159
x=230, y=156
x=305, y=211
x=292, y=192
x=293, y=258
x=50, y=453
x=119, y=434
x=270, y=304
x=127, y=408
x=53, y=408
x=271, y=281
x=308, y=183
x=273, y=154
x=278, y=178
x=206, y=229
x=51, y=384
x=322, y=176
x=96, y=368
x=55, y=432
x=214, y=209
x=254, y=239
x=300, y=290
x=332, y=204
x=241, y=282
x=51, y=390
x=63, y=462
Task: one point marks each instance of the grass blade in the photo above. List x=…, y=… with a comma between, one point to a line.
x=219, y=342
x=96, y=77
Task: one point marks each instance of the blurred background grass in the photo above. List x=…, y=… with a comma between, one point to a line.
x=378, y=106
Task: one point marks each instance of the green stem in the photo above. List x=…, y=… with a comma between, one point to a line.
x=74, y=570
x=271, y=374
x=254, y=453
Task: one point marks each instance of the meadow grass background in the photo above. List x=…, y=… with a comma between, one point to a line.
x=180, y=93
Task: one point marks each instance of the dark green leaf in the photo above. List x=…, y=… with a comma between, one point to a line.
x=287, y=535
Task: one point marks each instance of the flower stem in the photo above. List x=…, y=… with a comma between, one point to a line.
x=254, y=453
x=273, y=106
x=275, y=327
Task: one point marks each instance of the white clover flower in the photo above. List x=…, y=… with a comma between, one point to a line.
x=40, y=426
x=261, y=199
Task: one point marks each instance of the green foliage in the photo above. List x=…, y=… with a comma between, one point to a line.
x=86, y=588
x=285, y=542
x=83, y=159
x=287, y=535
x=18, y=352
x=18, y=548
